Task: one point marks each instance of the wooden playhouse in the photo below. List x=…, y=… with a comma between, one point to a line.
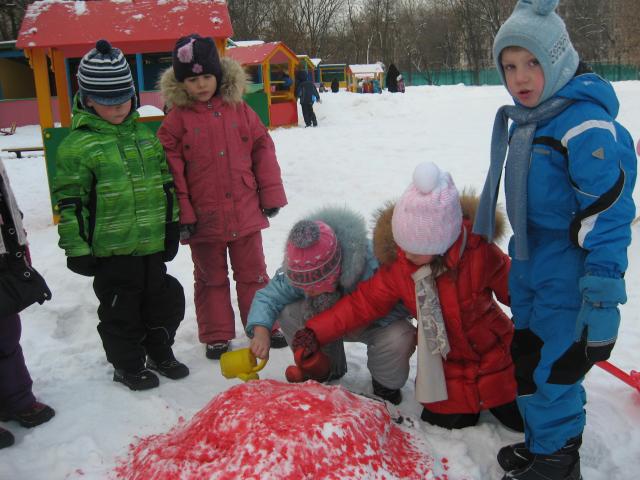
x=271, y=68
x=328, y=71
x=52, y=33
x=357, y=74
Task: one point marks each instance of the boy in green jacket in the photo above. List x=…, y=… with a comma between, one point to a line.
x=118, y=221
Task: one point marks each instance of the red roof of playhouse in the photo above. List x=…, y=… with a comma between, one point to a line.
x=257, y=54
x=138, y=26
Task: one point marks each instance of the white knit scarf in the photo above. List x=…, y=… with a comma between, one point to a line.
x=433, y=344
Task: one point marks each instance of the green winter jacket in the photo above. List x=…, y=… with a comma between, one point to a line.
x=113, y=188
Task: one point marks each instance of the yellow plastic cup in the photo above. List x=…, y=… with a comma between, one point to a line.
x=241, y=364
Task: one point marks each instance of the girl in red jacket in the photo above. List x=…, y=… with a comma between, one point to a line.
x=447, y=277
x=227, y=181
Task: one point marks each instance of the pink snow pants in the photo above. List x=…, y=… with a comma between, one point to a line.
x=214, y=313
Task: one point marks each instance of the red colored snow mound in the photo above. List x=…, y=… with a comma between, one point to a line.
x=269, y=429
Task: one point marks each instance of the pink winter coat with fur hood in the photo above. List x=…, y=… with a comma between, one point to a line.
x=222, y=158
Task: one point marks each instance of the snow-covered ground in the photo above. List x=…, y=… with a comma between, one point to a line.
x=362, y=154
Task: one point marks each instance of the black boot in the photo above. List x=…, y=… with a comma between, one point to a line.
x=141, y=380
x=514, y=456
x=215, y=350
x=561, y=465
x=518, y=455
x=389, y=394
x=170, y=368
x=6, y=438
x=450, y=421
x=35, y=415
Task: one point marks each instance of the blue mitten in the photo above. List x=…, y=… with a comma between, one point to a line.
x=599, y=314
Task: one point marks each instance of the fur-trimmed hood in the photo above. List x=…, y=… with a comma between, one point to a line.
x=351, y=231
x=234, y=81
x=385, y=248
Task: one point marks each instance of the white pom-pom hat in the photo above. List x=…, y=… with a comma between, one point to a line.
x=427, y=218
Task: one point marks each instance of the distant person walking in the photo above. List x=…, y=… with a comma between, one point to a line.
x=335, y=85
x=307, y=92
x=392, y=78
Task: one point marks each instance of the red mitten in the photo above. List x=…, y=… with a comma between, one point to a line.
x=305, y=340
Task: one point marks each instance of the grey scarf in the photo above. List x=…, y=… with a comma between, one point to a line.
x=313, y=306
x=526, y=122
x=12, y=205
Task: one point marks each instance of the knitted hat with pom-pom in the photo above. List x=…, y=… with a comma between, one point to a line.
x=534, y=25
x=427, y=218
x=313, y=257
x=104, y=76
x=194, y=55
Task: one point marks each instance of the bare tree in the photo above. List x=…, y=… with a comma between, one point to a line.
x=316, y=19
x=248, y=17
x=11, y=15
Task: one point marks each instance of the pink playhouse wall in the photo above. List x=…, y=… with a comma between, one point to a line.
x=25, y=112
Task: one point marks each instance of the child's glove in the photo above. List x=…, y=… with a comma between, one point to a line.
x=83, y=265
x=171, y=241
x=305, y=340
x=599, y=314
x=270, y=212
x=187, y=230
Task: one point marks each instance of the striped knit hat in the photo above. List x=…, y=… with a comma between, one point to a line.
x=313, y=257
x=104, y=76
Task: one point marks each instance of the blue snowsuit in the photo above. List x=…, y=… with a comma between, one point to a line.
x=579, y=210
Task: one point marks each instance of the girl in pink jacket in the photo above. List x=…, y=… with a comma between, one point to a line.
x=227, y=181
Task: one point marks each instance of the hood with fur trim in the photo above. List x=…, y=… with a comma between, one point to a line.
x=385, y=248
x=234, y=81
x=351, y=231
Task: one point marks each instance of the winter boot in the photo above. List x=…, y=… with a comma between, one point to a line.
x=141, y=380
x=6, y=438
x=518, y=455
x=278, y=340
x=514, y=456
x=450, y=421
x=216, y=349
x=170, y=368
x=561, y=465
x=37, y=414
x=390, y=395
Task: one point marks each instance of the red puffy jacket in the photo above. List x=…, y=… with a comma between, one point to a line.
x=478, y=370
x=222, y=158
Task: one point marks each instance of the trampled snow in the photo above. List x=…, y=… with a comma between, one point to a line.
x=361, y=155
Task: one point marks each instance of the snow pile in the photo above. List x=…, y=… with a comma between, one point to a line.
x=271, y=429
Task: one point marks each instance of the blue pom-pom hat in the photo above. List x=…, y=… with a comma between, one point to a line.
x=536, y=26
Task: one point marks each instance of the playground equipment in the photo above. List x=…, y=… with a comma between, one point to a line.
x=308, y=66
x=366, y=72
x=53, y=32
x=270, y=94
x=329, y=71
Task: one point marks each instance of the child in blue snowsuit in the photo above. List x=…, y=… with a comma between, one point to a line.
x=308, y=94
x=570, y=172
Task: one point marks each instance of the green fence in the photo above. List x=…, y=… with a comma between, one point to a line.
x=489, y=76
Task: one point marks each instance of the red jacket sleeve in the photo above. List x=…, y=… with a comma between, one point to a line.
x=497, y=267
x=170, y=135
x=372, y=299
x=265, y=163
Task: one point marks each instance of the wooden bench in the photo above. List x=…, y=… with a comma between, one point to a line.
x=19, y=150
